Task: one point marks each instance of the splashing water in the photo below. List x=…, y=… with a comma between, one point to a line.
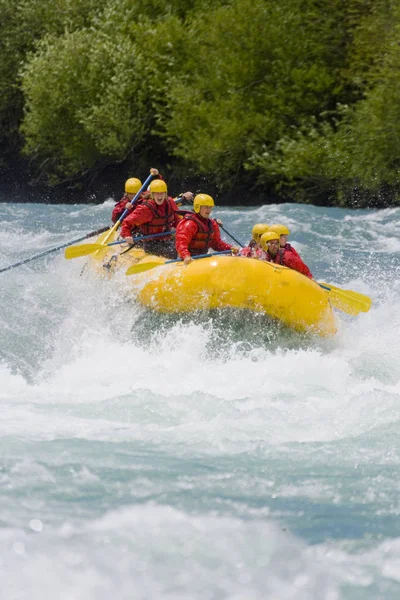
x=145, y=456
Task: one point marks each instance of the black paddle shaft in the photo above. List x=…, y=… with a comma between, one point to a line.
x=186, y=212
x=26, y=260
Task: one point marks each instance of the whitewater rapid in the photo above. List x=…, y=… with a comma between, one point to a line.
x=144, y=457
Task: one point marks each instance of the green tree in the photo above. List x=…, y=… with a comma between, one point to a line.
x=302, y=98
x=255, y=72
x=359, y=148
x=92, y=95
x=22, y=24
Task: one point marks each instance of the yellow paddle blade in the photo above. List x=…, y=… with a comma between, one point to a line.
x=347, y=305
x=356, y=295
x=348, y=301
x=141, y=267
x=111, y=231
x=82, y=250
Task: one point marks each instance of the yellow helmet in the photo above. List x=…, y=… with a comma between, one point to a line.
x=158, y=185
x=258, y=230
x=279, y=228
x=202, y=200
x=267, y=237
x=132, y=185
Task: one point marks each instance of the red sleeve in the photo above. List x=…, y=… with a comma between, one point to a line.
x=294, y=262
x=141, y=214
x=119, y=209
x=216, y=242
x=121, y=206
x=291, y=249
x=184, y=233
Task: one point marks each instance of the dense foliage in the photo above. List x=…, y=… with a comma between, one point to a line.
x=298, y=98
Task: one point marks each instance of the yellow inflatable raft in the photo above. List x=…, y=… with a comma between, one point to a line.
x=225, y=282
x=239, y=283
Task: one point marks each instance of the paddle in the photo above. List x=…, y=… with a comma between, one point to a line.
x=186, y=212
x=85, y=249
x=84, y=237
x=348, y=301
x=133, y=202
x=139, y=268
x=230, y=235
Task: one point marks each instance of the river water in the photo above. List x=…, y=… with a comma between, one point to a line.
x=197, y=458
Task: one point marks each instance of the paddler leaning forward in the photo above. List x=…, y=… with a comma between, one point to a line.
x=152, y=216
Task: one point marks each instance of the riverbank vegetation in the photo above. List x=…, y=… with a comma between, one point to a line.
x=299, y=99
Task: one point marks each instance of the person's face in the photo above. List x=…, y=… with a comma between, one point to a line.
x=205, y=211
x=283, y=240
x=273, y=247
x=159, y=197
x=128, y=195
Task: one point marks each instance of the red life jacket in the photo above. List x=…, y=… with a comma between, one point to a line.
x=119, y=207
x=200, y=242
x=160, y=222
x=292, y=250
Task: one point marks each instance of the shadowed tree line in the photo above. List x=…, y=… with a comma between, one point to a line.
x=296, y=100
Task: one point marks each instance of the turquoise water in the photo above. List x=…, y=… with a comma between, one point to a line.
x=147, y=457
